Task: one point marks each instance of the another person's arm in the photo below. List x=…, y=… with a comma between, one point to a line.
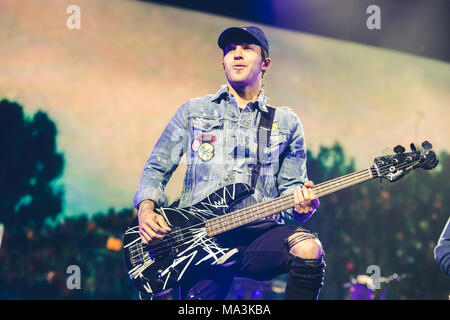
x=442, y=250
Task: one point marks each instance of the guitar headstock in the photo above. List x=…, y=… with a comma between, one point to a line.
x=395, y=166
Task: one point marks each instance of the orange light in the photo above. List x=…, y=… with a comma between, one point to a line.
x=114, y=244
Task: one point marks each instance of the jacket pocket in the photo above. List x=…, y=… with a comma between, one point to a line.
x=205, y=123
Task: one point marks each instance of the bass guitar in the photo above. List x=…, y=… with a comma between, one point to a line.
x=160, y=266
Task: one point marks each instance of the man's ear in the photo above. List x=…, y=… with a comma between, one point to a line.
x=266, y=63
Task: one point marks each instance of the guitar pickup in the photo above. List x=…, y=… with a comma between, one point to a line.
x=168, y=245
x=176, y=240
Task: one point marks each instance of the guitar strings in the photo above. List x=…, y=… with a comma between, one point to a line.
x=373, y=171
x=279, y=201
x=321, y=188
x=287, y=199
x=342, y=182
x=253, y=207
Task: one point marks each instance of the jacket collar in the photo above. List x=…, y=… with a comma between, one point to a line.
x=223, y=93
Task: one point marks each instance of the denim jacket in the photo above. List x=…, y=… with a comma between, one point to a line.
x=219, y=142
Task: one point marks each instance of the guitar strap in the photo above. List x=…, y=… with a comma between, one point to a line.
x=263, y=137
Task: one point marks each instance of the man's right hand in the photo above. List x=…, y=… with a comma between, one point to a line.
x=152, y=226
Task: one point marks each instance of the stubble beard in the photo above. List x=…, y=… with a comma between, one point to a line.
x=241, y=81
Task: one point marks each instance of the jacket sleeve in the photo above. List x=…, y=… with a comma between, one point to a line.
x=163, y=160
x=442, y=250
x=292, y=162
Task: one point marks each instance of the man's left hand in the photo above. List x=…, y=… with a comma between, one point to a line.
x=306, y=201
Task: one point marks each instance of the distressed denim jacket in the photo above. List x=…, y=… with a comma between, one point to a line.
x=219, y=142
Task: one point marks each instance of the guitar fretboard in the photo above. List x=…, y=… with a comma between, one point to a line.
x=265, y=209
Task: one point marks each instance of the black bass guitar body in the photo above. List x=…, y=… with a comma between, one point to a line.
x=159, y=267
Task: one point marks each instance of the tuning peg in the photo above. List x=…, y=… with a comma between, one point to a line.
x=426, y=145
x=413, y=147
x=399, y=149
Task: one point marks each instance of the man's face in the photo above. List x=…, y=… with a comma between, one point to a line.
x=243, y=63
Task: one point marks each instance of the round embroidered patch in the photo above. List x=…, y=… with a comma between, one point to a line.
x=206, y=151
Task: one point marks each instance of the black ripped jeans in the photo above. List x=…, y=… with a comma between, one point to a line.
x=263, y=255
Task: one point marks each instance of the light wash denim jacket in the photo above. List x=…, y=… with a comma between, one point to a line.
x=229, y=135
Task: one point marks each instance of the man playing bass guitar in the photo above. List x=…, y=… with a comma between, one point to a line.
x=220, y=136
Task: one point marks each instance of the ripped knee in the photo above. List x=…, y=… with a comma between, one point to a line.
x=304, y=245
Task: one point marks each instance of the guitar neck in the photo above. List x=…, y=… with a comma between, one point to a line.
x=258, y=211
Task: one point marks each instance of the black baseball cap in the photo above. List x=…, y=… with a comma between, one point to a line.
x=252, y=34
